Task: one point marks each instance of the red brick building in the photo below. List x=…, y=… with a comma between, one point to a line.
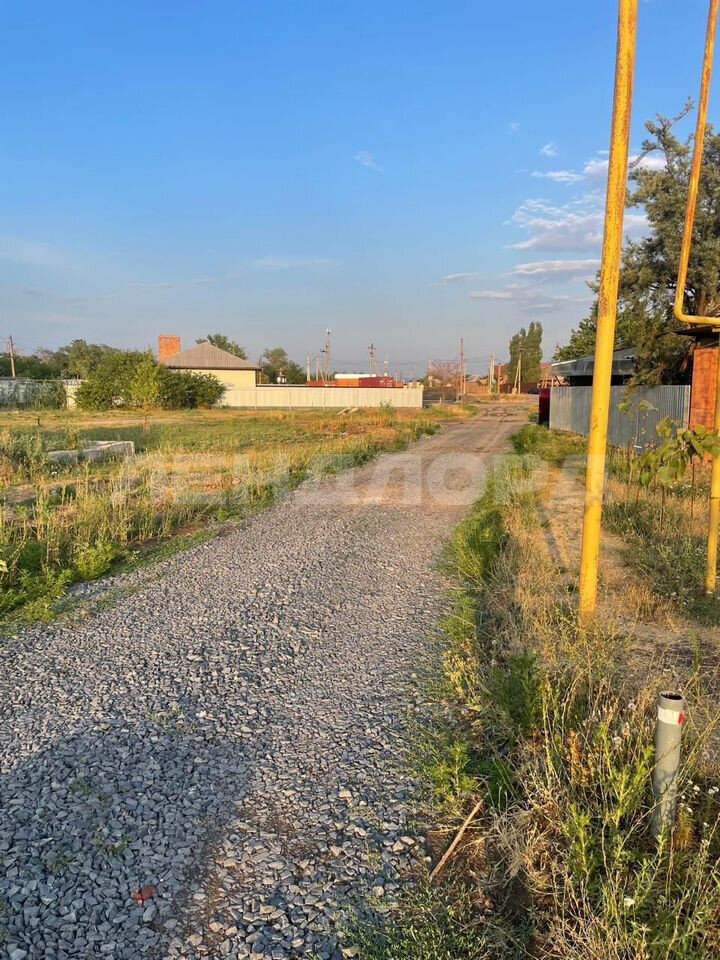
x=704, y=381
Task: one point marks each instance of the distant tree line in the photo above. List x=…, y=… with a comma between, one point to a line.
x=113, y=377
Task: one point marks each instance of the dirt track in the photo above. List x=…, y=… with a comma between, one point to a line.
x=231, y=734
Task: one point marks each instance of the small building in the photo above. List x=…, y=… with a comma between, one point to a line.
x=233, y=372
x=579, y=372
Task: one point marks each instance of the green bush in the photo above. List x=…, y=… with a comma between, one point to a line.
x=110, y=385
x=93, y=560
x=188, y=390
x=135, y=379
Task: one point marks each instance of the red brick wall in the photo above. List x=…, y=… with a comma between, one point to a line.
x=168, y=346
x=704, y=384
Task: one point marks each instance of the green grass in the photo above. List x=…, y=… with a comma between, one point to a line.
x=440, y=925
x=542, y=723
x=551, y=445
x=665, y=545
x=671, y=557
x=193, y=472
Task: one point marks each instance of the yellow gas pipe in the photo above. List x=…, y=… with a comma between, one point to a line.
x=714, y=524
x=607, y=304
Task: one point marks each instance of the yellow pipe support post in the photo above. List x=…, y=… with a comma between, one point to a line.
x=695, y=174
x=680, y=290
x=607, y=304
x=712, y=546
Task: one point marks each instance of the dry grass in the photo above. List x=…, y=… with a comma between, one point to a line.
x=64, y=523
x=553, y=725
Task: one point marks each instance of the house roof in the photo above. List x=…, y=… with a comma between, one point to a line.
x=205, y=356
x=623, y=364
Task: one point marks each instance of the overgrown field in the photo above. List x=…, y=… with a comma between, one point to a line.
x=62, y=523
x=550, y=727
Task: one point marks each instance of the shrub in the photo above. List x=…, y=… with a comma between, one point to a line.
x=110, y=385
x=93, y=560
x=188, y=390
x=130, y=378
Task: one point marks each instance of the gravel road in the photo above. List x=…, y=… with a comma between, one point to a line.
x=214, y=764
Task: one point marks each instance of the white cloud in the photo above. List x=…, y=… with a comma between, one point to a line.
x=459, y=277
x=573, y=226
x=366, y=159
x=554, y=268
x=491, y=294
x=597, y=167
x=513, y=126
x=531, y=298
x=558, y=176
x=549, y=150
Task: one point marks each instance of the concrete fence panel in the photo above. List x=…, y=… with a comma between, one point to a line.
x=289, y=397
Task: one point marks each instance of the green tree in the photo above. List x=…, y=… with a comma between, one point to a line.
x=222, y=342
x=110, y=384
x=649, y=266
x=146, y=382
x=30, y=366
x=81, y=359
x=528, y=345
x=128, y=378
x=275, y=360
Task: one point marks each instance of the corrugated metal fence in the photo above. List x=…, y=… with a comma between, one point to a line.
x=570, y=410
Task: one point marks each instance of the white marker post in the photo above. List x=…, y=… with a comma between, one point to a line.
x=668, y=732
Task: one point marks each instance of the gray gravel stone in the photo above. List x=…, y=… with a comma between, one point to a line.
x=215, y=764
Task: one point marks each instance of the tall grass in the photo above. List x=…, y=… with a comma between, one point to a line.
x=64, y=523
x=548, y=724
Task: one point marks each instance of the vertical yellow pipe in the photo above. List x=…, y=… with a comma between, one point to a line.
x=712, y=548
x=696, y=168
x=607, y=304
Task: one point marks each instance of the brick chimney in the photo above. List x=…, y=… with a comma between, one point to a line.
x=167, y=346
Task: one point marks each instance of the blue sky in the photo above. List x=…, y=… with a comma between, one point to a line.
x=405, y=172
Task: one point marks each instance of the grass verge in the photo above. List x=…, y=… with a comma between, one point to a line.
x=545, y=723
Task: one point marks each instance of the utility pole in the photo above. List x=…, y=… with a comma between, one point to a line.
x=385, y=365
x=491, y=376
x=518, y=374
x=11, y=351
x=462, y=368
x=373, y=362
x=307, y=373
x=326, y=351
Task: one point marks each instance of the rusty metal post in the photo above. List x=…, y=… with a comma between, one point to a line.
x=607, y=304
x=694, y=184
x=668, y=732
x=714, y=522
